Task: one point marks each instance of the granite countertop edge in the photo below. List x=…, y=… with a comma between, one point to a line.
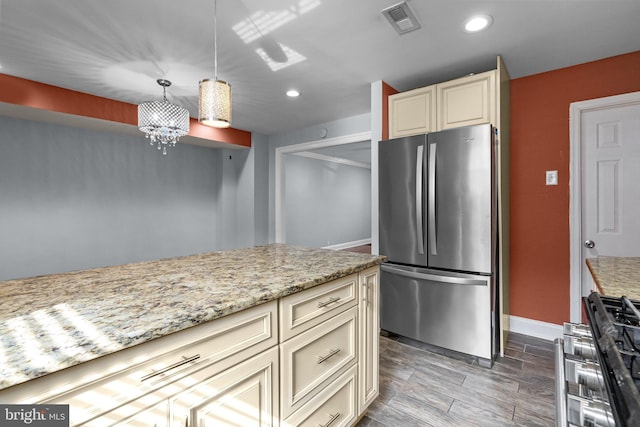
x=113, y=308
x=616, y=276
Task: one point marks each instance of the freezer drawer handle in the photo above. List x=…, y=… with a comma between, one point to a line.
x=329, y=301
x=434, y=277
x=419, y=163
x=331, y=353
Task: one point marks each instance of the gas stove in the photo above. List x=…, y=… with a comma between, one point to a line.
x=598, y=365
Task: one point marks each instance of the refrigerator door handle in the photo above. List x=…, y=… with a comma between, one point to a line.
x=419, y=162
x=434, y=277
x=431, y=200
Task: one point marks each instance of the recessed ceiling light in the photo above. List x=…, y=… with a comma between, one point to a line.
x=477, y=23
x=292, y=93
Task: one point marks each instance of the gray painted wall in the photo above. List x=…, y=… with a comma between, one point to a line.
x=327, y=203
x=346, y=126
x=260, y=149
x=75, y=198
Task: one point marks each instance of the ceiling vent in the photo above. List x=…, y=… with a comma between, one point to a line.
x=401, y=18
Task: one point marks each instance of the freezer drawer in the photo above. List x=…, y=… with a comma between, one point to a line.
x=449, y=310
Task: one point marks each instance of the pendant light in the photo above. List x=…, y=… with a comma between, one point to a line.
x=163, y=122
x=214, y=106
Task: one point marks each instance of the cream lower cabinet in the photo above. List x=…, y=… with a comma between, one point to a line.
x=329, y=370
x=135, y=386
x=243, y=395
x=236, y=371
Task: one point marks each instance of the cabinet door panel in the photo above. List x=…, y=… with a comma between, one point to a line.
x=467, y=101
x=412, y=112
x=369, y=325
x=244, y=395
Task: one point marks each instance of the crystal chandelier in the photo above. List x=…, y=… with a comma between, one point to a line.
x=163, y=122
x=214, y=106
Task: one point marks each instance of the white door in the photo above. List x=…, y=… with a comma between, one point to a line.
x=610, y=187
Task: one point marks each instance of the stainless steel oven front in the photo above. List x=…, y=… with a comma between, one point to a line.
x=581, y=394
x=598, y=365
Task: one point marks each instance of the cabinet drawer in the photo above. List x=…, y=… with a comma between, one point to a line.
x=312, y=359
x=227, y=341
x=304, y=310
x=334, y=406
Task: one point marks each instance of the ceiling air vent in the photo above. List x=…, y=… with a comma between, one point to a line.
x=401, y=18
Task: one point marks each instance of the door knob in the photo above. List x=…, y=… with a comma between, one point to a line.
x=589, y=244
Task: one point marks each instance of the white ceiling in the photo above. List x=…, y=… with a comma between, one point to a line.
x=118, y=48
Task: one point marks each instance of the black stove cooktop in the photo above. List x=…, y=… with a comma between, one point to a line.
x=615, y=323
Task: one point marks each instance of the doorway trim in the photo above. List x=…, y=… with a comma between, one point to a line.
x=280, y=174
x=576, y=109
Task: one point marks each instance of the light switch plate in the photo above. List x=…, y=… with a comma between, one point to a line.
x=552, y=177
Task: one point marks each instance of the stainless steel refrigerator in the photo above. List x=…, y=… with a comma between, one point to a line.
x=438, y=228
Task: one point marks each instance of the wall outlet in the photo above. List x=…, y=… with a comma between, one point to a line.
x=552, y=177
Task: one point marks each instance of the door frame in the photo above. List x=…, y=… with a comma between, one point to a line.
x=576, y=109
x=280, y=174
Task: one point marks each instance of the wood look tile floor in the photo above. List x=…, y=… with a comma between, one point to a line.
x=420, y=387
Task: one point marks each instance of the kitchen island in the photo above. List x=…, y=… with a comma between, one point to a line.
x=616, y=276
x=53, y=328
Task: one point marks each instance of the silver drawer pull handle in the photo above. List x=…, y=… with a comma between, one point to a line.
x=184, y=361
x=328, y=356
x=366, y=291
x=333, y=418
x=330, y=301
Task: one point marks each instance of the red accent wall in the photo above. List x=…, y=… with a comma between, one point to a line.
x=539, y=286
x=386, y=91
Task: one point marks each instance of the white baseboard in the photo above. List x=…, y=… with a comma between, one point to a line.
x=535, y=328
x=347, y=245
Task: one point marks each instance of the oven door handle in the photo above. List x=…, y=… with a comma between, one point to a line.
x=561, y=383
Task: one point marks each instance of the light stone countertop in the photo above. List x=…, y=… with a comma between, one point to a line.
x=52, y=322
x=616, y=276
